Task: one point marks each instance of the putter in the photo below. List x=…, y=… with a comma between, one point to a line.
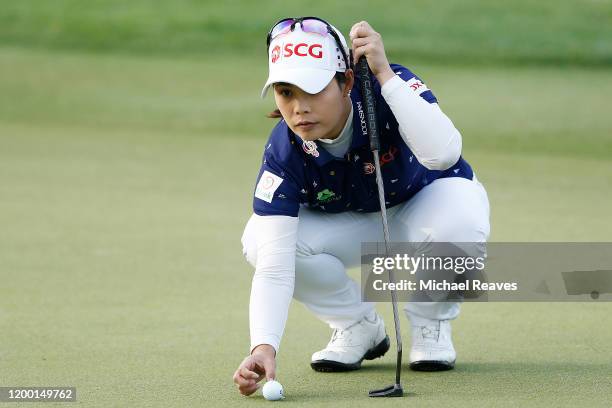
x=367, y=93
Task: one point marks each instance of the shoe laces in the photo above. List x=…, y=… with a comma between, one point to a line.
x=340, y=334
x=344, y=334
x=430, y=332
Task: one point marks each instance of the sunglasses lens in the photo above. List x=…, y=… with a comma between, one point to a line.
x=281, y=28
x=308, y=25
x=314, y=26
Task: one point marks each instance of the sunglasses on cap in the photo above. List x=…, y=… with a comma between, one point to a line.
x=309, y=25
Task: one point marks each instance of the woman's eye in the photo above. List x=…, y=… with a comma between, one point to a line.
x=285, y=92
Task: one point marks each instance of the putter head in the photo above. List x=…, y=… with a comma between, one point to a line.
x=395, y=390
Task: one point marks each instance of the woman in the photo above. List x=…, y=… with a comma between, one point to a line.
x=316, y=200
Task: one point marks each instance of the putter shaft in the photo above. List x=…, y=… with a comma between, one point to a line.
x=383, y=212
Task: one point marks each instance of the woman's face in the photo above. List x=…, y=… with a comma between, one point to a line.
x=318, y=116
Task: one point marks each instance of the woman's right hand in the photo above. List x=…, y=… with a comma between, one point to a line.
x=259, y=365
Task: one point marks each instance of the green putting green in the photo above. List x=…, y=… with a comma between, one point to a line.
x=126, y=180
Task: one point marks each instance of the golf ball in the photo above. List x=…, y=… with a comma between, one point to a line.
x=273, y=391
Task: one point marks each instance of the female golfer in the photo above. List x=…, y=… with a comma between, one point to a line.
x=316, y=198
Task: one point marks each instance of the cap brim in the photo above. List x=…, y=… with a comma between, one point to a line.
x=310, y=80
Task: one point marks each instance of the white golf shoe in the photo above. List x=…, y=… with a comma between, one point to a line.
x=347, y=348
x=432, y=346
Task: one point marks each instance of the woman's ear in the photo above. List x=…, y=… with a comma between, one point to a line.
x=350, y=81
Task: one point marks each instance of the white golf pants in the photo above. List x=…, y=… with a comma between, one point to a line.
x=450, y=209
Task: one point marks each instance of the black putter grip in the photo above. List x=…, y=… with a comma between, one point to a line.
x=369, y=104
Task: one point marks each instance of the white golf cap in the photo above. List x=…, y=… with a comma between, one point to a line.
x=306, y=60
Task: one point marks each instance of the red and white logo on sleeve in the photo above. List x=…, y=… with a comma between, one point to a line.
x=417, y=86
x=267, y=185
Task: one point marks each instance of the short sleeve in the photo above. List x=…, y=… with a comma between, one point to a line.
x=276, y=192
x=416, y=83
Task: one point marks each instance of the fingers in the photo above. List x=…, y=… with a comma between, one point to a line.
x=361, y=41
x=252, y=370
x=362, y=46
x=248, y=374
x=248, y=389
x=246, y=386
x=361, y=29
x=358, y=53
x=365, y=40
x=246, y=380
x=369, y=44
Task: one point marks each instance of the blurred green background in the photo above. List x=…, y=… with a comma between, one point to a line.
x=130, y=139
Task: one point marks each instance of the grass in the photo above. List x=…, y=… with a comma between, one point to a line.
x=123, y=200
x=524, y=110
x=128, y=155
x=469, y=31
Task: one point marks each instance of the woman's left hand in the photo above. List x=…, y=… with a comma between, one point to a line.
x=366, y=41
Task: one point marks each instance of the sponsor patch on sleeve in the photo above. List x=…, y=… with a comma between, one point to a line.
x=267, y=185
x=417, y=86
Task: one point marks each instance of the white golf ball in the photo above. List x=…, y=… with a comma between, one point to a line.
x=273, y=391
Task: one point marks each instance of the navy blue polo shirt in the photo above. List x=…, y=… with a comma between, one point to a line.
x=295, y=173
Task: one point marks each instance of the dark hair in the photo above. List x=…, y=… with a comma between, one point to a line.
x=340, y=79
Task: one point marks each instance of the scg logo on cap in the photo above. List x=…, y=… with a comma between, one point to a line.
x=298, y=50
x=303, y=50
